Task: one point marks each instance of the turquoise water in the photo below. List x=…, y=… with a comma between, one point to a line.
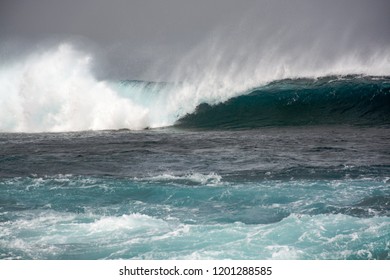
x=193, y=217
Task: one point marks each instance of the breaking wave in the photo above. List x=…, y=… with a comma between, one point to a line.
x=56, y=91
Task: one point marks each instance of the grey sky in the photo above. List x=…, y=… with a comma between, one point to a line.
x=130, y=36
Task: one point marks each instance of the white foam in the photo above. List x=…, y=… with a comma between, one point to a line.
x=56, y=91
x=211, y=179
x=284, y=252
x=126, y=223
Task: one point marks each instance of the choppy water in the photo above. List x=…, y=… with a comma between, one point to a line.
x=289, y=192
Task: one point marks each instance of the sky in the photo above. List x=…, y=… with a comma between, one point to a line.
x=142, y=39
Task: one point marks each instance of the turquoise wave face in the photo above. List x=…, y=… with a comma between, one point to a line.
x=351, y=100
x=193, y=216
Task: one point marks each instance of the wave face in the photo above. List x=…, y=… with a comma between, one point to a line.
x=56, y=91
x=352, y=100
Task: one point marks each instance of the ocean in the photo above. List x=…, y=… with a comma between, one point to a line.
x=293, y=168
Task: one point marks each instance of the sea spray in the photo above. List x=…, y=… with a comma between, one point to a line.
x=56, y=91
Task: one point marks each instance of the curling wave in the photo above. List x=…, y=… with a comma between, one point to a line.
x=354, y=100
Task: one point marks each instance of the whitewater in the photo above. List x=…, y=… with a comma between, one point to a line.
x=272, y=156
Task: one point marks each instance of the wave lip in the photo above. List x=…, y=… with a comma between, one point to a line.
x=352, y=100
